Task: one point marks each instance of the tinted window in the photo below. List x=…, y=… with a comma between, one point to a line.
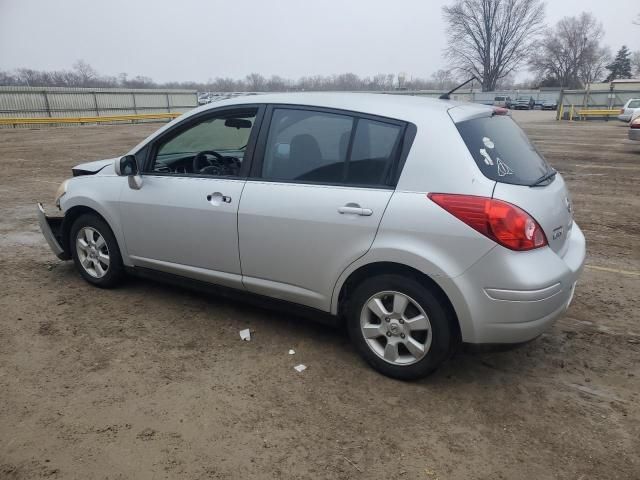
x=310, y=146
x=307, y=146
x=502, y=151
x=213, y=146
x=372, y=153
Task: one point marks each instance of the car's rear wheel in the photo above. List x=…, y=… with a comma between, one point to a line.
x=399, y=326
x=95, y=251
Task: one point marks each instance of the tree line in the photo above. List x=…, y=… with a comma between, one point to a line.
x=84, y=75
x=487, y=39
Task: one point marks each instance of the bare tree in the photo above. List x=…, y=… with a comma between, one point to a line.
x=277, y=84
x=443, y=79
x=491, y=38
x=570, y=55
x=635, y=63
x=256, y=82
x=86, y=73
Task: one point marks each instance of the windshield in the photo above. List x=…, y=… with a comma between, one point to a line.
x=502, y=151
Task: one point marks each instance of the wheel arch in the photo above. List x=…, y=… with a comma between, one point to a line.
x=379, y=268
x=71, y=215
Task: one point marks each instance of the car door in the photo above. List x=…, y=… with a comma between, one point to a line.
x=312, y=205
x=183, y=219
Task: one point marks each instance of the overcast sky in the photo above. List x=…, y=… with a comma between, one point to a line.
x=198, y=40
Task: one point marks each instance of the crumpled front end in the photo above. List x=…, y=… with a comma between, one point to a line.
x=51, y=227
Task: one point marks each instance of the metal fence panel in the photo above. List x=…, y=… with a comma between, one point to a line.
x=54, y=102
x=587, y=99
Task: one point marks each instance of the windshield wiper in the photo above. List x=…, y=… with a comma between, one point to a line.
x=547, y=176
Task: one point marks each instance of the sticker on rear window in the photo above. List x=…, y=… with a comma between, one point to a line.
x=503, y=168
x=487, y=157
x=487, y=142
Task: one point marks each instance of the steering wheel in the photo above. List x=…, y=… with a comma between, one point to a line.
x=201, y=157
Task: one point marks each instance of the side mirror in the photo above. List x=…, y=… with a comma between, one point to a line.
x=127, y=166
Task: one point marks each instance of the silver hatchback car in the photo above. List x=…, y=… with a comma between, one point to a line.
x=420, y=223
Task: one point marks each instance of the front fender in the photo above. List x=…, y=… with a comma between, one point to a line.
x=101, y=194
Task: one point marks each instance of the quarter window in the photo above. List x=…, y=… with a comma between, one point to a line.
x=372, y=154
x=321, y=147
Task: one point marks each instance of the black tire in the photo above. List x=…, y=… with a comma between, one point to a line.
x=115, y=271
x=438, y=314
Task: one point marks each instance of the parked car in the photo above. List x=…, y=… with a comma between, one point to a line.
x=549, y=105
x=524, y=104
x=634, y=128
x=632, y=106
x=502, y=101
x=343, y=205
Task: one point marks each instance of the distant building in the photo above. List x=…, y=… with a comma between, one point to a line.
x=618, y=85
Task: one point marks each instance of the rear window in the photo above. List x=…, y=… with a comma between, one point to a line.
x=634, y=104
x=502, y=151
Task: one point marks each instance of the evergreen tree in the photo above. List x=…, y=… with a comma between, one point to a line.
x=621, y=65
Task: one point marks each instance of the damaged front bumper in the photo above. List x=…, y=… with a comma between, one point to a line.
x=52, y=230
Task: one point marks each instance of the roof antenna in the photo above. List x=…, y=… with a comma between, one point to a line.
x=445, y=96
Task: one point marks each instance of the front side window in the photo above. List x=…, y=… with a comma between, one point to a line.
x=213, y=146
x=634, y=104
x=320, y=147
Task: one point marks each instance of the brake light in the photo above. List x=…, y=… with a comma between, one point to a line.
x=635, y=123
x=500, y=111
x=500, y=221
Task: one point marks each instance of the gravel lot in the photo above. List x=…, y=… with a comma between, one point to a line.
x=148, y=381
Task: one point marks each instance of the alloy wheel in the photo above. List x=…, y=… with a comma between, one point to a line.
x=396, y=328
x=93, y=252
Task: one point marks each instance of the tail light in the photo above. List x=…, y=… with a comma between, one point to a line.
x=500, y=111
x=500, y=221
x=635, y=123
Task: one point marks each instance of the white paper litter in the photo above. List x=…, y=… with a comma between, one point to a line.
x=300, y=368
x=245, y=334
x=292, y=352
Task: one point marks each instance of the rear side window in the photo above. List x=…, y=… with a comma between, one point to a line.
x=502, y=151
x=321, y=147
x=307, y=146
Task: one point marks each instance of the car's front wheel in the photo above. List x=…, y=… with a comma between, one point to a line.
x=95, y=251
x=399, y=326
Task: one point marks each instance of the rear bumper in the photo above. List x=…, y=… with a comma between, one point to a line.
x=512, y=297
x=634, y=134
x=51, y=228
x=624, y=118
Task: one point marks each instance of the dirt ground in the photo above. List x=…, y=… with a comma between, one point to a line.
x=149, y=381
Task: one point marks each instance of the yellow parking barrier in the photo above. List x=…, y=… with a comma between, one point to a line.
x=98, y=119
x=594, y=112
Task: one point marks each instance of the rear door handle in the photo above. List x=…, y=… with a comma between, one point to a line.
x=355, y=210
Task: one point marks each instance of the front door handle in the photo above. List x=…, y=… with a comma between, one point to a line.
x=355, y=209
x=217, y=198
